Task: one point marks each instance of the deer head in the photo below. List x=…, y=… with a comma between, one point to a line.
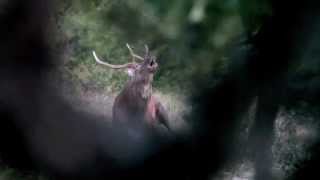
x=142, y=70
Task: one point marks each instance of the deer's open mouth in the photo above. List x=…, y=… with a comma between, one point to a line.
x=152, y=66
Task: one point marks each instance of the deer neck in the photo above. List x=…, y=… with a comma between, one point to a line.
x=146, y=91
x=142, y=86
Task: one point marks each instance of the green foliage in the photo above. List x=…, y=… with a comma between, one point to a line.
x=12, y=174
x=189, y=37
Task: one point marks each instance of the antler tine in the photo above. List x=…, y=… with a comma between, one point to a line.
x=133, y=54
x=147, y=49
x=120, y=66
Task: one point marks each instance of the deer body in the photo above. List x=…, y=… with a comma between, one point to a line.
x=132, y=102
x=135, y=104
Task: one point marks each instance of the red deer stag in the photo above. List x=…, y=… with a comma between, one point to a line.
x=135, y=104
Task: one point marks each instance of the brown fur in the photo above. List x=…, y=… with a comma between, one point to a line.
x=135, y=104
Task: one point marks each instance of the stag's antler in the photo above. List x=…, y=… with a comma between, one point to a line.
x=147, y=49
x=133, y=54
x=120, y=66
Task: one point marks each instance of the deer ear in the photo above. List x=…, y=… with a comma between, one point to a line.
x=130, y=71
